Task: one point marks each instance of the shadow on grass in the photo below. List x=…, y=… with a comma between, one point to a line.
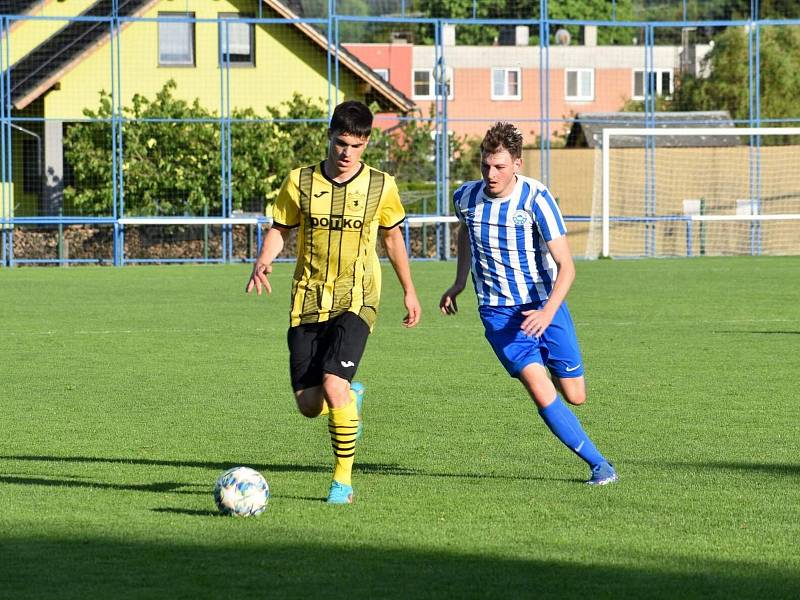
x=189, y=512
x=782, y=469
x=365, y=468
x=99, y=568
x=158, y=487
x=762, y=332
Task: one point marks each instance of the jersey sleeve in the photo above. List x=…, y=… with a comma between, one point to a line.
x=286, y=209
x=391, y=212
x=548, y=216
x=458, y=196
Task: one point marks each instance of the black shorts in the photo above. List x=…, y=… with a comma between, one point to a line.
x=334, y=346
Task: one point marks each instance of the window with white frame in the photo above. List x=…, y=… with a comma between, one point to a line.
x=580, y=84
x=236, y=40
x=425, y=83
x=506, y=83
x=382, y=73
x=175, y=39
x=661, y=83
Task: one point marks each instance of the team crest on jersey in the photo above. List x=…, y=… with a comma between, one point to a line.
x=521, y=217
x=355, y=200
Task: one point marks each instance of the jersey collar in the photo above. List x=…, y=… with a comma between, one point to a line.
x=338, y=183
x=514, y=193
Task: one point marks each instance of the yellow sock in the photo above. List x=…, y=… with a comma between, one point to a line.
x=324, y=410
x=343, y=424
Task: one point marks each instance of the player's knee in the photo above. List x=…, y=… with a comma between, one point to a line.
x=336, y=389
x=309, y=402
x=309, y=411
x=575, y=397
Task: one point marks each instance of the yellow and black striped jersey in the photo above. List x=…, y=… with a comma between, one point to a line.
x=337, y=266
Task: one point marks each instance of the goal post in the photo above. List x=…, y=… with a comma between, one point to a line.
x=692, y=191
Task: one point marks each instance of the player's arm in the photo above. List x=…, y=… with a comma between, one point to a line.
x=536, y=321
x=270, y=248
x=448, y=304
x=396, y=251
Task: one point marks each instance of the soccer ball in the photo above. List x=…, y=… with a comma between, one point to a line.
x=242, y=492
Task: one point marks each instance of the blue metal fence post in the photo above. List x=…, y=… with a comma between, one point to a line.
x=8, y=178
x=5, y=145
x=442, y=92
x=335, y=32
x=223, y=138
x=755, y=226
x=117, y=181
x=329, y=57
x=121, y=134
x=650, y=142
x=227, y=210
x=441, y=143
x=544, y=92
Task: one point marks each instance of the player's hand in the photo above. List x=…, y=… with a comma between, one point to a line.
x=448, y=304
x=258, y=279
x=536, y=321
x=414, y=309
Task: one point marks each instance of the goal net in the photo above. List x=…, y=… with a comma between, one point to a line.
x=696, y=191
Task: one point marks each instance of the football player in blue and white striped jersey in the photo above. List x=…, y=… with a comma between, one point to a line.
x=512, y=238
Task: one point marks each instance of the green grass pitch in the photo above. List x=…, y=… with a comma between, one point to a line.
x=125, y=392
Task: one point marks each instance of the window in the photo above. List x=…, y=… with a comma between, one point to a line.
x=382, y=73
x=580, y=84
x=425, y=84
x=236, y=41
x=176, y=39
x=506, y=84
x=660, y=83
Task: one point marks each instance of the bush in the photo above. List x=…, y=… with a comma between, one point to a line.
x=171, y=154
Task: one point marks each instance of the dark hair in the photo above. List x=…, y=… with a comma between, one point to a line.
x=503, y=136
x=353, y=118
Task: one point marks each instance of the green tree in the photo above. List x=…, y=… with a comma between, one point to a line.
x=172, y=154
x=590, y=10
x=726, y=87
x=265, y=150
x=501, y=9
x=349, y=31
x=168, y=168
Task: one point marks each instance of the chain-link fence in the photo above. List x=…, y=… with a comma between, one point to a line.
x=138, y=131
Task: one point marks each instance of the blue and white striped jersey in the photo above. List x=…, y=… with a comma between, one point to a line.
x=511, y=263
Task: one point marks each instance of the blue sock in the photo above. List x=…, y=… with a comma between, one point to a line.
x=566, y=427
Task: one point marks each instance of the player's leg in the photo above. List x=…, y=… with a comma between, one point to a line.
x=572, y=389
x=345, y=343
x=311, y=402
x=563, y=357
x=559, y=346
x=557, y=415
x=305, y=368
x=564, y=424
x=357, y=388
x=524, y=357
x=342, y=426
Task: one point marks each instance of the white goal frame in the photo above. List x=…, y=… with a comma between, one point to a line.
x=609, y=133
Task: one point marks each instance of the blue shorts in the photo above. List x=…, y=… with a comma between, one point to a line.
x=557, y=348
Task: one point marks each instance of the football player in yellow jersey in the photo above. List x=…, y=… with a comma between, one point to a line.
x=338, y=207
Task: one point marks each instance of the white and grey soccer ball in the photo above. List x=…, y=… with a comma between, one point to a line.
x=242, y=492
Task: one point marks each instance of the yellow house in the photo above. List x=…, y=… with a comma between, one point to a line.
x=228, y=54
